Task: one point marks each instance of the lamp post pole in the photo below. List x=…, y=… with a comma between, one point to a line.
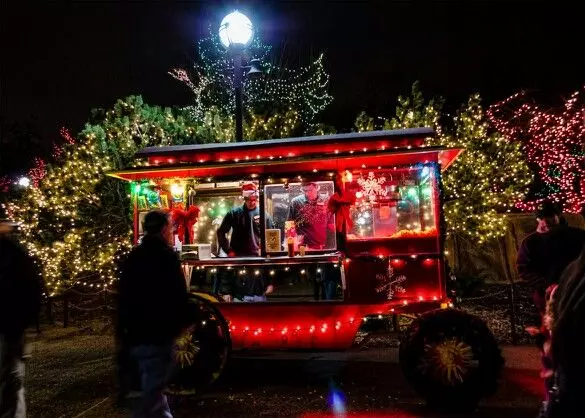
x=238, y=93
x=235, y=33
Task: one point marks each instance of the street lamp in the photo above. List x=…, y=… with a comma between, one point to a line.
x=24, y=182
x=235, y=34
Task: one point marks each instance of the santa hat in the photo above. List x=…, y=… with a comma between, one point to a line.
x=249, y=189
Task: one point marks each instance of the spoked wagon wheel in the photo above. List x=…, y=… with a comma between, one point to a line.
x=451, y=359
x=202, y=352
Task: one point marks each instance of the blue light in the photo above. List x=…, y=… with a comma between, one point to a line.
x=425, y=171
x=337, y=402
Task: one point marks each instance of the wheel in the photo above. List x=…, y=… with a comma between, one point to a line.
x=451, y=359
x=202, y=351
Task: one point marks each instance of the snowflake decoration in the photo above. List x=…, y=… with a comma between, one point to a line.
x=389, y=283
x=373, y=186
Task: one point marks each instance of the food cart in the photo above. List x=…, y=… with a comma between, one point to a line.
x=325, y=282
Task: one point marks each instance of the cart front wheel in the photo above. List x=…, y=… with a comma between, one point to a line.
x=202, y=351
x=451, y=359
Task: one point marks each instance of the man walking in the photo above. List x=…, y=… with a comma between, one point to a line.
x=152, y=311
x=20, y=298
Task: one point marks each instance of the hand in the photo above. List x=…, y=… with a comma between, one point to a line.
x=533, y=331
x=269, y=289
x=227, y=298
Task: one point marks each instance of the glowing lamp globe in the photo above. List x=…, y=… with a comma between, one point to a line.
x=235, y=30
x=24, y=182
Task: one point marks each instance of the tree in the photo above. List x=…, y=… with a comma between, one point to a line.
x=554, y=143
x=76, y=222
x=281, y=96
x=488, y=177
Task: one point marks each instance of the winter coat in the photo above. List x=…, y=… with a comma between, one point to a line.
x=543, y=257
x=20, y=289
x=153, y=297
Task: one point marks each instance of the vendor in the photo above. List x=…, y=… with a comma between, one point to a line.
x=244, y=222
x=312, y=218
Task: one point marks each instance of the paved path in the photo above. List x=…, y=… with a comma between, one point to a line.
x=74, y=378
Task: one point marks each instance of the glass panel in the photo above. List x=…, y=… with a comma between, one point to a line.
x=213, y=210
x=297, y=214
x=277, y=283
x=392, y=203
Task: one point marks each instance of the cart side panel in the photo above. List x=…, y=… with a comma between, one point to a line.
x=309, y=325
x=413, y=278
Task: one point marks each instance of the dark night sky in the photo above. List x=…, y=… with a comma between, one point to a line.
x=59, y=60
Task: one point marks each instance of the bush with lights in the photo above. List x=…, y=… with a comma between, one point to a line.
x=554, y=143
x=488, y=178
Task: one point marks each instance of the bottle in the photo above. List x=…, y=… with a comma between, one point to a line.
x=291, y=246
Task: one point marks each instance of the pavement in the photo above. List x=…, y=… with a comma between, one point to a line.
x=72, y=375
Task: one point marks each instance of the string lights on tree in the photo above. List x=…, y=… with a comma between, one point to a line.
x=487, y=179
x=276, y=95
x=75, y=220
x=554, y=143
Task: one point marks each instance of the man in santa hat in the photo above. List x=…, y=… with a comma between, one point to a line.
x=244, y=222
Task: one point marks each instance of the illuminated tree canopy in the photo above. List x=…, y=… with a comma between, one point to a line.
x=554, y=143
x=272, y=95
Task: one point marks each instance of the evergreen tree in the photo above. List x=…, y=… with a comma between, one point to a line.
x=76, y=221
x=280, y=97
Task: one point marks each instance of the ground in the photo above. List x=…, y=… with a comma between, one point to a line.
x=71, y=375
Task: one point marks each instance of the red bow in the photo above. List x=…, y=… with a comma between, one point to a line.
x=185, y=219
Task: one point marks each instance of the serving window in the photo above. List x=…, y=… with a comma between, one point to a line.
x=392, y=203
x=297, y=214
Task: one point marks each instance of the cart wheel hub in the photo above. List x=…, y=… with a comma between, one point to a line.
x=449, y=360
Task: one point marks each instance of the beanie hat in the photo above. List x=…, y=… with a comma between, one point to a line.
x=249, y=189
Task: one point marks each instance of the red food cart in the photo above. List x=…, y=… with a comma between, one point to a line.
x=387, y=259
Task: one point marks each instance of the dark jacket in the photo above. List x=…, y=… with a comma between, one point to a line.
x=20, y=289
x=543, y=257
x=153, y=298
x=568, y=337
x=245, y=226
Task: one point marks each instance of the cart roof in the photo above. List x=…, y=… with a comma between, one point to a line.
x=291, y=155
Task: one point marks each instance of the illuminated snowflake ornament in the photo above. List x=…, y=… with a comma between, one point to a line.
x=372, y=186
x=390, y=284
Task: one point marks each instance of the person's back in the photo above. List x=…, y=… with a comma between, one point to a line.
x=152, y=294
x=568, y=342
x=20, y=295
x=545, y=254
x=152, y=310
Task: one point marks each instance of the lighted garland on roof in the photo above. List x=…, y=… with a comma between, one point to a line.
x=279, y=90
x=487, y=179
x=76, y=222
x=554, y=142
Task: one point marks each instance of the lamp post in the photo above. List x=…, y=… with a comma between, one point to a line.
x=235, y=34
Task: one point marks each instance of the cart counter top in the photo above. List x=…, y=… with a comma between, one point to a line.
x=262, y=261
